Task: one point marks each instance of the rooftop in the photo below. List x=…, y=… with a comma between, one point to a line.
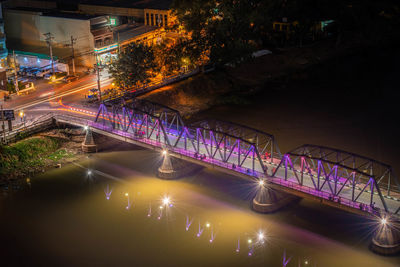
x=133, y=31
x=52, y=13
x=139, y=4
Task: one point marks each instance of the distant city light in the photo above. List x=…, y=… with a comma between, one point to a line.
x=208, y=225
x=261, y=182
x=89, y=172
x=126, y=194
x=86, y=127
x=249, y=241
x=383, y=221
x=164, y=152
x=306, y=262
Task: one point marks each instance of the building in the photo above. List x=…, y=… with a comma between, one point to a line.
x=27, y=29
x=107, y=46
x=3, y=47
x=127, y=10
x=91, y=28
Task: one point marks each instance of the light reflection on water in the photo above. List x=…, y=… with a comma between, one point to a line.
x=106, y=222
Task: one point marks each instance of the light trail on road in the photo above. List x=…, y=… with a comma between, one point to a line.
x=68, y=92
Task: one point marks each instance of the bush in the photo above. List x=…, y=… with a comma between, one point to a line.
x=28, y=153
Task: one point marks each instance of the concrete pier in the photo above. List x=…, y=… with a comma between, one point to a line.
x=386, y=239
x=166, y=171
x=173, y=168
x=88, y=144
x=268, y=200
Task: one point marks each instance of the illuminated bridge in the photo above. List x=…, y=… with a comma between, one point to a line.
x=333, y=177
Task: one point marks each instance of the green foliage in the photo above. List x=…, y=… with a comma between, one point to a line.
x=173, y=57
x=136, y=64
x=25, y=154
x=228, y=30
x=11, y=87
x=59, y=154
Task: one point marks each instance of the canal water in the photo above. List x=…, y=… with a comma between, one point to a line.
x=66, y=217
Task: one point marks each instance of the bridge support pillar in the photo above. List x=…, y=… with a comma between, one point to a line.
x=386, y=239
x=88, y=144
x=166, y=170
x=173, y=168
x=268, y=200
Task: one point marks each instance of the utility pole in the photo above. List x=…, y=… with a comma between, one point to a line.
x=73, y=40
x=98, y=76
x=3, y=126
x=49, y=39
x=15, y=72
x=119, y=47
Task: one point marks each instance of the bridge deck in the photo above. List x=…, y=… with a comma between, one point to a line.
x=290, y=185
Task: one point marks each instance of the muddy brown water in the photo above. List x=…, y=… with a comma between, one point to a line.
x=63, y=218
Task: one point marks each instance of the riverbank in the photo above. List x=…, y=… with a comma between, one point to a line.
x=39, y=153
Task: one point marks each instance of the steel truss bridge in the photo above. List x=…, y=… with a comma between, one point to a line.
x=333, y=177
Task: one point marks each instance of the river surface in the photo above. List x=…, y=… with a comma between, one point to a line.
x=63, y=218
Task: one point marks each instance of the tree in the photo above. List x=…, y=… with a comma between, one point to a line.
x=172, y=57
x=228, y=30
x=135, y=64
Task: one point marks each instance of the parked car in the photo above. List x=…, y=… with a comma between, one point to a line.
x=69, y=78
x=47, y=76
x=32, y=72
x=42, y=73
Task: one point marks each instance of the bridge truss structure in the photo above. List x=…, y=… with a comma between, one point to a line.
x=332, y=175
x=341, y=173
x=217, y=140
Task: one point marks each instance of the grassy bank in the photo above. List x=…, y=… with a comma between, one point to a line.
x=30, y=155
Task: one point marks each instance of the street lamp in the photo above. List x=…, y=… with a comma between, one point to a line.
x=22, y=116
